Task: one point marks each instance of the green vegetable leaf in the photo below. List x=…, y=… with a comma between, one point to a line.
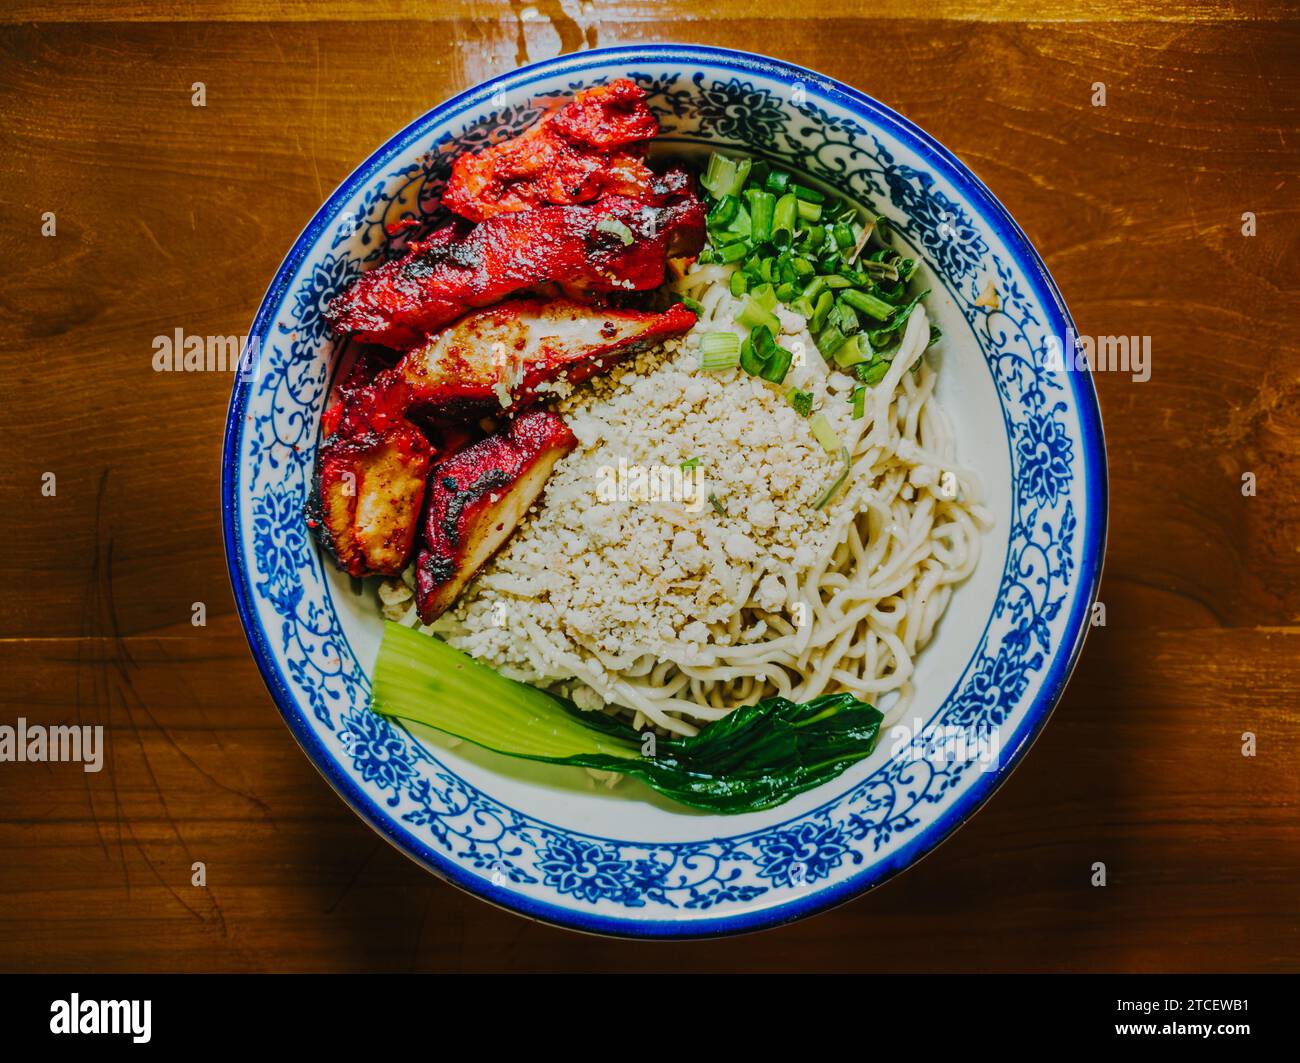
x=757, y=757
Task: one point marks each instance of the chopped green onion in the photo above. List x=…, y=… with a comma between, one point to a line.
x=761, y=356
x=750, y=362
x=808, y=211
x=762, y=206
x=719, y=350
x=693, y=305
x=723, y=211
x=738, y=180
x=859, y=402
x=825, y=434
x=777, y=181
x=881, y=270
x=616, y=228
x=732, y=252
x=719, y=175
x=755, y=314
x=850, y=352
x=868, y=304
x=830, y=491
x=739, y=283
x=717, y=506
x=777, y=368
x=874, y=372
x=764, y=295
x=783, y=217
x=936, y=334
x=828, y=340
x=811, y=195
x=844, y=318
x=801, y=401
x=775, y=359
x=821, y=308
x=843, y=235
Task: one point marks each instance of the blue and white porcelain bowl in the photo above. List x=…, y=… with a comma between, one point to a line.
x=541, y=840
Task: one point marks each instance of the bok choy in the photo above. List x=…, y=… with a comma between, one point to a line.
x=757, y=757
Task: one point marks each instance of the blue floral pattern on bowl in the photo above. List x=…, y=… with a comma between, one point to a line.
x=856, y=838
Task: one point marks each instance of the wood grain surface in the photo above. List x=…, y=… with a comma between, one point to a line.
x=171, y=216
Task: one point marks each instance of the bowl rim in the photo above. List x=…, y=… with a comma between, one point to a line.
x=1093, y=524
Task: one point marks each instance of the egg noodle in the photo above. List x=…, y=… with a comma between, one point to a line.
x=674, y=611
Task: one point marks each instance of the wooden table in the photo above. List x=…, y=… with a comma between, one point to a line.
x=172, y=216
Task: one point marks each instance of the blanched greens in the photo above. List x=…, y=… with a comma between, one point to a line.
x=757, y=757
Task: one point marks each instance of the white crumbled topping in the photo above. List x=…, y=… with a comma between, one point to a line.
x=618, y=566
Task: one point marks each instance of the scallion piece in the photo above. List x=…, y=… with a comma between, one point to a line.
x=808, y=211
x=739, y=177
x=868, y=304
x=750, y=362
x=778, y=366
x=828, y=340
x=801, y=401
x=810, y=195
x=873, y=372
x=739, y=283
x=850, y=352
x=615, y=228
x=762, y=206
x=777, y=182
x=718, y=351
x=723, y=212
x=732, y=252
x=844, y=475
x=824, y=433
x=783, y=217
x=821, y=308
x=754, y=314
x=764, y=295
x=765, y=358
x=719, y=175
x=859, y=400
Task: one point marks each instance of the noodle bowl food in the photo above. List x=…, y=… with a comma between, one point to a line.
x=649, y=498
x=675, y=613
x=530, y=475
